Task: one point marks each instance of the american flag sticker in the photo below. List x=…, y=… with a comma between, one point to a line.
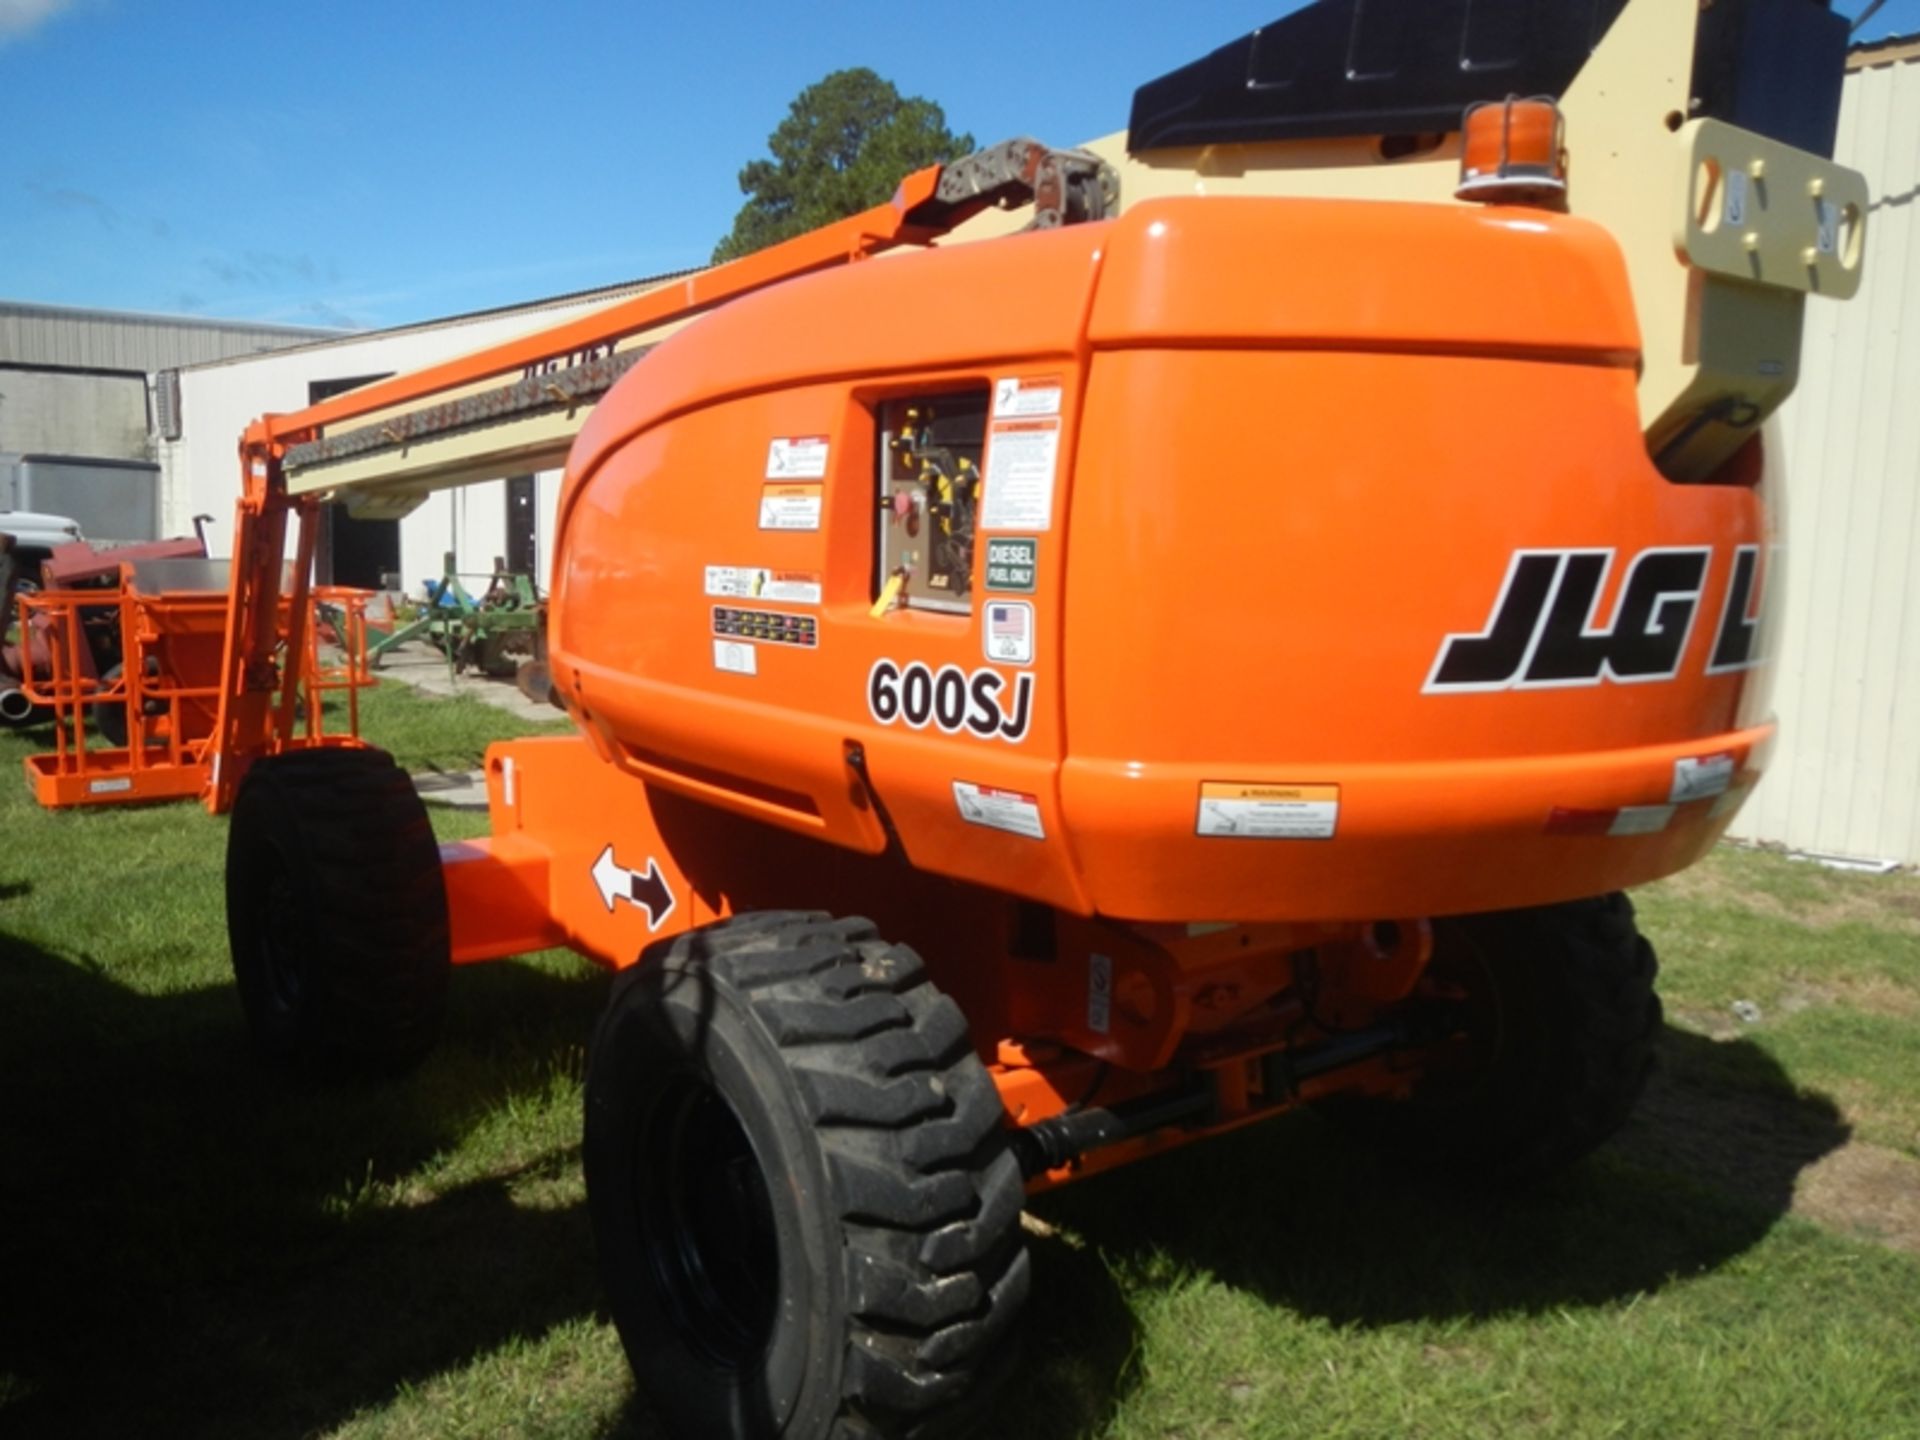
x=1008, y=632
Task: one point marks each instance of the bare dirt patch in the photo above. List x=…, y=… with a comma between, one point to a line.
x=1905, y=901
x=1888, y=902
x=1866, y=1191
x=1763, y=1141
x=1891, y=1116
x=1714, y=1024
x=1873, y=994
x=1751, y=1137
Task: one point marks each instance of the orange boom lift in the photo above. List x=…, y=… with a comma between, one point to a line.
x=1230, y=635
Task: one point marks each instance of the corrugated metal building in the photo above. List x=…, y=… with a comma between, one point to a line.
x=1846, y=776
x=77, y=406
x=59, y=337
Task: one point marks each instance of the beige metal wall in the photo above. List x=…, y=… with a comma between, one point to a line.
x=1846, y=777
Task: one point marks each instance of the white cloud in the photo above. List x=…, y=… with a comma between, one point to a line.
x=17, y=17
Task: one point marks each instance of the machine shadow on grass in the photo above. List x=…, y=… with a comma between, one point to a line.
x=182, y=1247
x=184, y=1250
x=1300, y=1215
x=181, y=1254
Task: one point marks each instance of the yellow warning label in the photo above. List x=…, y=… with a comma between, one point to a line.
x=1222, y=790
x=790, y=507
x=1260, y=811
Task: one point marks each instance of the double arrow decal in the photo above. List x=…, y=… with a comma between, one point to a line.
x=649, y=891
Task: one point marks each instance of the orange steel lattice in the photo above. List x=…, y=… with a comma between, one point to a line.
x=171, y=620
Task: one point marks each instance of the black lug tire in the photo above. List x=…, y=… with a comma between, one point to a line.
x=110, y=716
x=337, y=912
x=890, y=1264
x=1560, y=1015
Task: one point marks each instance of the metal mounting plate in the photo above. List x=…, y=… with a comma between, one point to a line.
x=1753, y=209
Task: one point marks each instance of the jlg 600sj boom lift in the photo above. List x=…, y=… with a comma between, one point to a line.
x=1232, y=642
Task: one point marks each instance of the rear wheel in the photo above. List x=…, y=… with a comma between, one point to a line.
x=336, y=912
x=1557, y=1018
x=110, y=716
x=802, y=1194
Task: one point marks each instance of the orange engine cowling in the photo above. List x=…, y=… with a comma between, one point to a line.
x=1304, y=560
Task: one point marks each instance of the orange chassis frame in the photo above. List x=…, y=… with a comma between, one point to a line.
x=1222, y=1001
x=1214, y=999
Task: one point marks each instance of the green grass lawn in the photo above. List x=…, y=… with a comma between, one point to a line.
x=191, y=1247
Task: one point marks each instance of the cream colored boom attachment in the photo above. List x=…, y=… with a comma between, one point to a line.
x=1725, y=232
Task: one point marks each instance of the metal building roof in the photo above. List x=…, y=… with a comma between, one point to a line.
x=72, y=338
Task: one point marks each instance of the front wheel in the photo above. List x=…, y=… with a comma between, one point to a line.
x=807, y=1213
x=337, y=912
x=1555, y=1022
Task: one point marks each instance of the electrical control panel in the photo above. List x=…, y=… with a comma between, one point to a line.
x=929, y=491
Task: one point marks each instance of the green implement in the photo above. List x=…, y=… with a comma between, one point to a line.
x=489, y=633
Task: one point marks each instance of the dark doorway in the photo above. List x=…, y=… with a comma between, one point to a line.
x=523, y=525
x=347, y=551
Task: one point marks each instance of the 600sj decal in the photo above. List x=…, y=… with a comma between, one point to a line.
x=984, y=703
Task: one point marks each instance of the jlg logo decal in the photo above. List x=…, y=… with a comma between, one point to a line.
x=1542, y=632
x=985, y=702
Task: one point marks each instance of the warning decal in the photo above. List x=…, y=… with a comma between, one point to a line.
x=749, y=582
x=1736, y=197
x=1268, y=812
x=1009, y=810
x=1021, y=457
x=801, y=457
x=1099, y=993
x=1699, y=778
x=736, y=656
x=1035, y=395
x=790, y=507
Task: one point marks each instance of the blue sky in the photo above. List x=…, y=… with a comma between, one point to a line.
x=372, y=162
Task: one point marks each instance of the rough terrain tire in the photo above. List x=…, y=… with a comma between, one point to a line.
x=337, y=912
x=807, y=1213
x=109, y=717
x=1560, y=1016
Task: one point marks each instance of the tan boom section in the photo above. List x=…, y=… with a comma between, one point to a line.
x=384, y=464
